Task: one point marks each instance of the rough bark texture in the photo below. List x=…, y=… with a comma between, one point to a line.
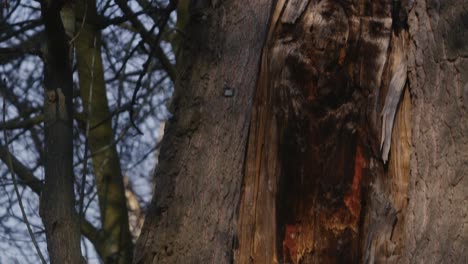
x=192, y=215
x=437, y=214
x=57, y=207
x=116, y=241
x=420, y=211
x=332, y=101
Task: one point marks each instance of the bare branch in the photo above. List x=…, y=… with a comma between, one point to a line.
x=148, y=38
x=19, y=123
x=25, y=174
x=171, y=7
x=15, y=186
x=24, y=27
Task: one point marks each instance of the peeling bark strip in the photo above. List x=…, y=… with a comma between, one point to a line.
x=320, y=88
x=57, y=207
x=398, y=71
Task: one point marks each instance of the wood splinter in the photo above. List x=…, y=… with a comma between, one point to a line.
x=395, y=90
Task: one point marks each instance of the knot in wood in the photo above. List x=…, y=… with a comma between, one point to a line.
x=55, y=106
x=51, y=96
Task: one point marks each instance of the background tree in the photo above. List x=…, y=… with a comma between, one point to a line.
x=112, y=51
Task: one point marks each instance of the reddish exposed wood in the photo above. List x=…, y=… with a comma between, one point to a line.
x=352, y=200
x=298, y=241
x=290, y=247
x=308, y=156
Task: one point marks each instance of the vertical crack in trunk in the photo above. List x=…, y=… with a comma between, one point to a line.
x=313, y=154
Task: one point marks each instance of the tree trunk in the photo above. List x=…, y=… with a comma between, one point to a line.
x=57, y=207
x=193, y=212
x=347, y=160
x=116, y=243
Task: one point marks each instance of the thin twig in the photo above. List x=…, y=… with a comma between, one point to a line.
x=15, y=186
x=122, y=19
x=127, y=58
x=148, y=38
x=143, y=158
x=171, y=7
x=17, y=123
x=82, y=24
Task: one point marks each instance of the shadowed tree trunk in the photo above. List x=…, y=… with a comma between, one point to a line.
x=57, y=207
x=356, y=152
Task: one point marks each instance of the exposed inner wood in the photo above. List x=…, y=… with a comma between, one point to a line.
x=313, y=152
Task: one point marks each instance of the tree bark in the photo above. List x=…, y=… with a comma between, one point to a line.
x=437, y=213
x=193, y=212
x=357, y=146
x=57, y=206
